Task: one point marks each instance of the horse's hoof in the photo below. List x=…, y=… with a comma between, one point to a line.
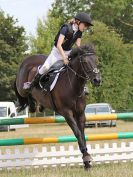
x=87, y=158
x=87, y=162
x=32, y=110
x=87, y=165
x=20, y=108
x=41, y=108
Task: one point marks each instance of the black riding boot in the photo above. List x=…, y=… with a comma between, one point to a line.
x=35, y=82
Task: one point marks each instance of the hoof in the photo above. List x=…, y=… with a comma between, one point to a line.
x=87, y=162
x=87, y=165
x=32, y=110
x=41, y=108
x=20, y=108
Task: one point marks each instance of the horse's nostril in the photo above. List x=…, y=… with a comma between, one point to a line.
x=97, y=81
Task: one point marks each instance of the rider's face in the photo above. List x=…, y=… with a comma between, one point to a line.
x=83, y=27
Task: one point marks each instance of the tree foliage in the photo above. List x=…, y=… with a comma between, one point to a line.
x=46, y=31
x=115, y=63
x=115, y=13
x=12, y=48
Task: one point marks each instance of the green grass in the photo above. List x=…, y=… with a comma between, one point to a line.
x=104, y=170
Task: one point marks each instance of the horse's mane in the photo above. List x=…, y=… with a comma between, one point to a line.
x=78, y=51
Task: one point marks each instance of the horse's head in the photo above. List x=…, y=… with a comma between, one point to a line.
x=87, y=58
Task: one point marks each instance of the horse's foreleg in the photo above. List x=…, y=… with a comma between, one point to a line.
x=79, y=135
x=81, y=125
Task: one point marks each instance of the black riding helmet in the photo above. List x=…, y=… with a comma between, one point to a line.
x=84, y=18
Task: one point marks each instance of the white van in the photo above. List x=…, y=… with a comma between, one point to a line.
x=8, y=110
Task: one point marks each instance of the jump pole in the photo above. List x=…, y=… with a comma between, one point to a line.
x=63, y=139
x=60, y=119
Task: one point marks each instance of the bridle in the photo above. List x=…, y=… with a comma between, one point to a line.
x=86, y=73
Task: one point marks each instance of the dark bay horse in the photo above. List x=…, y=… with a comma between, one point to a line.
x=68, y=94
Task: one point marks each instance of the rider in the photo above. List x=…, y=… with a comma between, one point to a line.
x=68, y=35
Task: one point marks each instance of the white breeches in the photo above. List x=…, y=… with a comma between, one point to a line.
x=51, y=60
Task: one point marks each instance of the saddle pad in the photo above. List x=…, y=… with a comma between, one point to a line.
x=52, y=85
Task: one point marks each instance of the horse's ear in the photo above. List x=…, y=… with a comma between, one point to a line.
x=76, y=51
x=80, y=51
x=73, y=53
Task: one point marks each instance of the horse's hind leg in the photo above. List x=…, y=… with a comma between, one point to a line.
x=22, y=102
x=41, y=108
x=32, y=104
x=32, y=73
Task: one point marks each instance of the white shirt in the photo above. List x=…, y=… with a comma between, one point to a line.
x=75, y=28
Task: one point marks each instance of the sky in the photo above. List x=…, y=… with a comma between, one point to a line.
x=27, y=11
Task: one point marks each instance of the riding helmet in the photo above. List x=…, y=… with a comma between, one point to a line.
x=84, y=18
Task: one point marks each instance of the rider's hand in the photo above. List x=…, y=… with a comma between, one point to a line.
x=66, y=61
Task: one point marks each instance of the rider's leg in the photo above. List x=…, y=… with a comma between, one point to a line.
x=51, y=60
x=44, y=69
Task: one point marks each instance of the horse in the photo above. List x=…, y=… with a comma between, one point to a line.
x=68, y=94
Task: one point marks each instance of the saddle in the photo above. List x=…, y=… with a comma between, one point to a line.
x=48, y=81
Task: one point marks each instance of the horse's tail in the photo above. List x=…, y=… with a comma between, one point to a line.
x=23, y=102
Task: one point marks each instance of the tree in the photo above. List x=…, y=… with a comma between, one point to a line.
x=46, y=31
x=69, y=8
x=115, y=13
x=115, y=63
x=12, y=47
x=124, y=24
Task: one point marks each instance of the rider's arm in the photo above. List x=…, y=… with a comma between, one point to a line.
x=59, y=47
x=78, y=42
